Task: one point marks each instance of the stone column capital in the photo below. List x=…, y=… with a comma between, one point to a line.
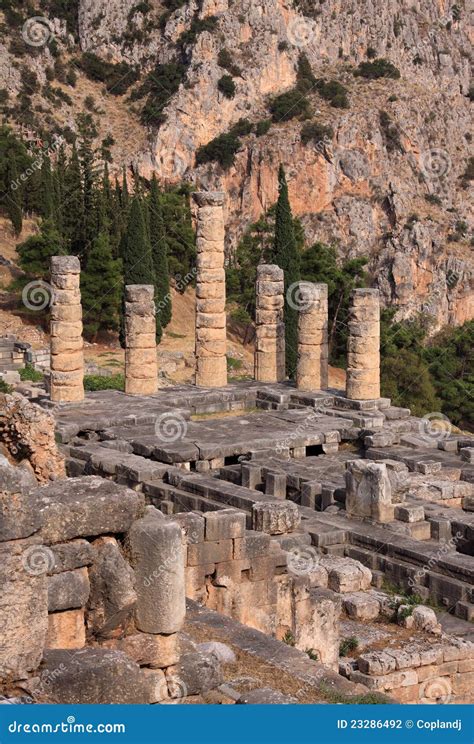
x=209, y=198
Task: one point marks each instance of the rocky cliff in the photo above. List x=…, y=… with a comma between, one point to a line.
x=389, y=182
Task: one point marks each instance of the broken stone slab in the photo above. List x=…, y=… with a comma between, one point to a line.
x=194, y=673
x=86, y=507
x=92, y=676
x=19, y=517
x=71, y=555
x=66, y=629
x=23, y=609
x=112, y=596
x=346, y=574
x=265, y=696
x=361, y=606
x=157, y=556
x=467, y=454
x=68, y=590
x=424, y=618
x=222, y=651
x=275, y=517
x=368, y=490
x=148, y=649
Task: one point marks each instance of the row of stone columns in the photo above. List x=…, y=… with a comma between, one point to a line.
x=141, y=373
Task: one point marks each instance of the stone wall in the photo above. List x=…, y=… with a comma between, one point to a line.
x=270, y=327
x=425, y=672
x=211, y=342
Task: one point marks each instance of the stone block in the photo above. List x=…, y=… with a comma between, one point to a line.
x=23, y=608
x=253, y=545
x=85, y=507
x=66, y=630
x=361, y=606
x=224, y=524
x=368, y=490
x=409, y=512
x=68, y=590
x=150, y=650
x=112, y=596
x=216, y=551
x=194, y=673
x=92, y=676
x=275, y=517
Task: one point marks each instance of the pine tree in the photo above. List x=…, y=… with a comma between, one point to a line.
x=137, y=259
x=160, y=255
x=101, y=284
x=286, y=256
x=35, y=252
x=14, y=199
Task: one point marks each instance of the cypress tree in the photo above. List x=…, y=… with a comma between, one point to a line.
x=137, y=259
x=72, y=205
x=101, y=283
x=160, y=255
x=286, y=256
x=88, y=170
x=48, y=197
x=14, y=199
x=35, y=252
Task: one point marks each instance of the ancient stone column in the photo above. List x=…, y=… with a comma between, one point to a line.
x=141, y=368
x=312, y=367
x=211, y=361
x=270, y=326
x=363, y=368
x=67, y=357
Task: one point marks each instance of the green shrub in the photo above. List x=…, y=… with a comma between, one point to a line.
x=315, y=132
x=198, y=25
x=289, y=638
x=334, y=92
x=262, y=127
x=289, y=105
x=390, y=133
x=159, y=86
x=226, y=86
x=233, y=363
x=371, y=52
x=117, y=77
x=433, y=199
x=222, y=149
x=98, y=382
x=224, y=60
x=347, y=645
x=379, y=68
x=468, y=174
x=4, y=388
x=31, y=374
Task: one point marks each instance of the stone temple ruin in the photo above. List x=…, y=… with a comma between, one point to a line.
x=208, y=536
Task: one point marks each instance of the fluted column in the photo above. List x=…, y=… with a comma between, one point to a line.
x=141, y=367
x=270, y=326
x=211, y=342
x=363, y=363
x=312, y=367
x=67, y=356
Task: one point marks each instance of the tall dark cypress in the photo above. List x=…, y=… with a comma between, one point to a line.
x=14, y=198
x=286, y=256
x=159, y=252
x=48, y=196
x=72, y=206
x=136, y=254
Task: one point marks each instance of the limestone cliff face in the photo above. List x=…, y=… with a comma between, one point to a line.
x=353, y=191
x=388, y=187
